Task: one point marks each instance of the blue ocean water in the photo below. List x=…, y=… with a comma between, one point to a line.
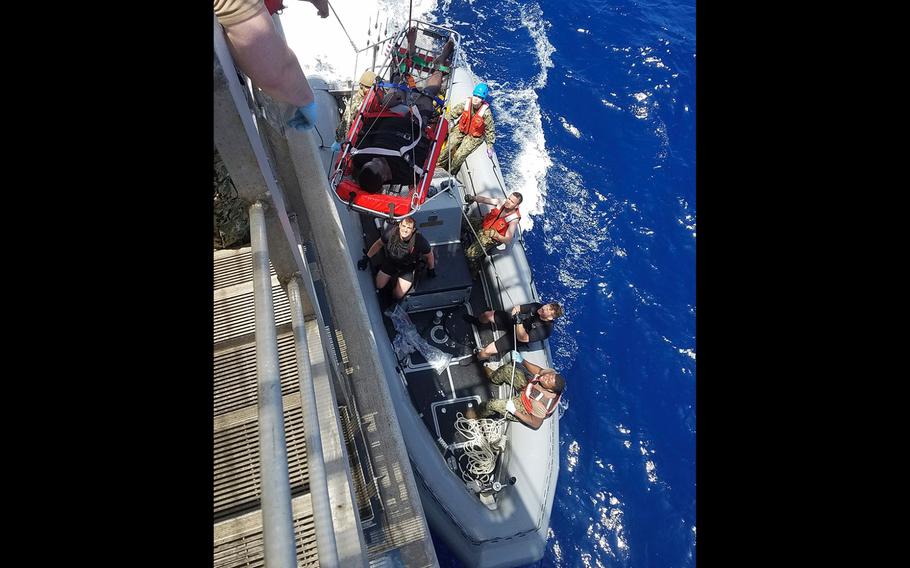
x=595, y=118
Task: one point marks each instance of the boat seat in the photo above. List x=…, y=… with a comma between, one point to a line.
x=451, y=286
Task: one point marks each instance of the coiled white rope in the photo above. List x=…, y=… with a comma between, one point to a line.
x=485, y=438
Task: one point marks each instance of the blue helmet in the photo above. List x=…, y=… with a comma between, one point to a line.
x=481, y=90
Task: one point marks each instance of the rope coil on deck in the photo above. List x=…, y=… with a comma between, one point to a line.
x=485, y=438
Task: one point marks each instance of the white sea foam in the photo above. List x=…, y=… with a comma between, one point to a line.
x=569, y=127
x=532, y=19
x=651, y=470
x=518, y=110
x=611, y=523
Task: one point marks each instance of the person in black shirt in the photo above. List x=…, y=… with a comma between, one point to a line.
x=526, y=323
x=403, y=247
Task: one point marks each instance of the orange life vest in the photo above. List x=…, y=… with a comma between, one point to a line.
x=500, y=224
x=531, y=393
x=472, y=125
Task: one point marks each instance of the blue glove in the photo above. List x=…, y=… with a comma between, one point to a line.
x=304, y=118
x=516, y=356
x=489, y=152
x=336, y=147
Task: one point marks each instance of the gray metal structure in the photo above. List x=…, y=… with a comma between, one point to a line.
x=355, y=499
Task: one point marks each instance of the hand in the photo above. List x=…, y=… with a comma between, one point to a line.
x=515, y=310
x=304, y=117
x=322, y=7
x=489, y=152
x=516, y=356
x=363, y=262
x=431, y=272
x=336, y=147
x=510, y=406
x=468, y=198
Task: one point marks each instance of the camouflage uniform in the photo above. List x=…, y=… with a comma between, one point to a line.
x=459, y=145
x=475, y=253
x=503, y=376
x=350, y=113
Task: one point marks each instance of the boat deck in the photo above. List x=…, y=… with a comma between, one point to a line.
x=441, y=398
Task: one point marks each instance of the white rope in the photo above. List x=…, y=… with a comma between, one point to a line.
x=485, y=438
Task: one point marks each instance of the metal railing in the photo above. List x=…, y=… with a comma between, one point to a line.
x=278, y=530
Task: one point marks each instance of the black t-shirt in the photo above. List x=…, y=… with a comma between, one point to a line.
x=400, y=254
x=392, y=133
x=536, y=328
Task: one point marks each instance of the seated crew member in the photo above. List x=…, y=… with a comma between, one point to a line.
x=535, y=398
x=527, y=323
x=474, y=126
x=498, y=226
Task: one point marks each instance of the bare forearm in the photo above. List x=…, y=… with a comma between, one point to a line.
x=374, y=248
x=532, y=421
x=262, y=54
x=520, y=333
x=535, y=369
x=510, y=232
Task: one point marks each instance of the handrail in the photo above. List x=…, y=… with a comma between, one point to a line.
x=277, y=518
x=278, y=528
x=319, y=490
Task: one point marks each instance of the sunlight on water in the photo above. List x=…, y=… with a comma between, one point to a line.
x=572, y=456
x=607, y=531
x=569, y=127
x=557, y=550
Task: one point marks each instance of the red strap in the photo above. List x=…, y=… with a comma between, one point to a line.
x=274, y=5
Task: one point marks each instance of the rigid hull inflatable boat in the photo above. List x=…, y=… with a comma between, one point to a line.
x=486, y=485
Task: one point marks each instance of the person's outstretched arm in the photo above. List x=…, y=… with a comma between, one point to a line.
x=488, y=200
x=510, y=232
x=322, y=7
x=529, y=420
x=489, y=129
x=264, y=56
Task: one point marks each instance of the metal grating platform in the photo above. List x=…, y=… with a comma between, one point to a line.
x=238, y=541
x=237, y=457
x=235, y=314
x=233, y=267
x=235, y=374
